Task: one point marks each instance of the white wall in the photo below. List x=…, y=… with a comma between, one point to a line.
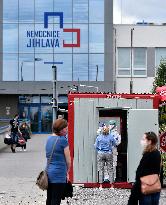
x=143, y=36
x=140, y=85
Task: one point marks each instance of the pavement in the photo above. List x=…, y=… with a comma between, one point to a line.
x=18, y=172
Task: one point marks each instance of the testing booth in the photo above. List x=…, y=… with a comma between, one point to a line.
x=135, y=114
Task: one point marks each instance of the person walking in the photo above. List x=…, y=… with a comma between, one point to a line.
x=117, y=138
x=25, y=130
x=149, y=164
x=103, y=144
x=58, y=169
x=15, y=132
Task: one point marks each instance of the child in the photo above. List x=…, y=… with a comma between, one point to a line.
x=24, y=128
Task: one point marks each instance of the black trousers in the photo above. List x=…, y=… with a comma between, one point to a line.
x=55, y=193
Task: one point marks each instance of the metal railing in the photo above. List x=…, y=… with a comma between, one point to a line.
x=4, y=129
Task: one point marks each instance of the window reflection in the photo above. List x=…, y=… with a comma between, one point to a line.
x=160, y=55
x=43, y=72
x=80, y=67
x=139, y=61
x=67, y=36
x=65, y=7
x=96, y=11
x=10, y=67
x=96, y=60
x=35, y=99
x=23, y=40
x=26, y=11
x=80, y=11
x=10, y=45
x=84, y=38
x=64, y=71
x=46, y=99
x=96, y=38
x=10, y=11
x=124, y=57
x=42, y=48
x=40, y=7
x=26, y=67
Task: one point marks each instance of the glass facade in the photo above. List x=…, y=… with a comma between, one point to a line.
x=28, y=45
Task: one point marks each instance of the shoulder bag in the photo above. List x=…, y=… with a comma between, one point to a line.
x=150, y=184
x=42, y=179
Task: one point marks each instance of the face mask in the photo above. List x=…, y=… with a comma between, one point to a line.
x=143, y=143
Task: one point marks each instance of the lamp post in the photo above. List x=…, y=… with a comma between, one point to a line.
x=55, y=99
x=97, y=71
x=21, y=70
x=131, y=70
x=55, y=96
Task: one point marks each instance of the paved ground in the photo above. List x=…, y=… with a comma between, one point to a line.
x=18, y=172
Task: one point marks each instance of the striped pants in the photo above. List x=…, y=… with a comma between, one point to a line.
x=102, y=159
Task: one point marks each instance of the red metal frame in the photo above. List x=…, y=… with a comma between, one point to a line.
x=71, y=96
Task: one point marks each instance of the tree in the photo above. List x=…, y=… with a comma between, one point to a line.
x=160, y=78
x=159, y=81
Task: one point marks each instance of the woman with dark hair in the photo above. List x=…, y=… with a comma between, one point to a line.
x=59, y=166
x=15, y=132
x=25, y=130
x=149, y=164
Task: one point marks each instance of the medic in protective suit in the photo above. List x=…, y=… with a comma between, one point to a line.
x=117, y=137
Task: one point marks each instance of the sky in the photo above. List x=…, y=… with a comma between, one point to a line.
x=133, y=11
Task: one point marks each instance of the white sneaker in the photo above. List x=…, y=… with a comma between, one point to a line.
x=25, y=150
x=100, y=188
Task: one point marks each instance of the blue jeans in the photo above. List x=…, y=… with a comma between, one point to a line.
x=14, y=137
x=150, y=199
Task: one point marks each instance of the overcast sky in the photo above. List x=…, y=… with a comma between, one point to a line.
x=133, y=11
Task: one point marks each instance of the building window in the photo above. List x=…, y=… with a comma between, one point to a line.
x=139, y=62
x=123, y=61
x=160, y=55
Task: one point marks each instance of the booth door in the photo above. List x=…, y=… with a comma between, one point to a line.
x=139, y=121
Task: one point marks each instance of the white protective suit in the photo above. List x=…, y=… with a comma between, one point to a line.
x=117, y=137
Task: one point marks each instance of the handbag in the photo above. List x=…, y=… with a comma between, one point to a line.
x=8, y=139
x=21, y=141
x=150, y=184
x=42, y=178
x=68, y=191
